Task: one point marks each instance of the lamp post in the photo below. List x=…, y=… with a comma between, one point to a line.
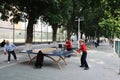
x=79, y=32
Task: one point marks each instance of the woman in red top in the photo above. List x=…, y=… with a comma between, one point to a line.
x=68, y=45
x=84, y=55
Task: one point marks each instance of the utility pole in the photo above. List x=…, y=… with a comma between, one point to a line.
x=79, y=31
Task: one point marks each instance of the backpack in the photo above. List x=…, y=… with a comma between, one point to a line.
x=39, y=60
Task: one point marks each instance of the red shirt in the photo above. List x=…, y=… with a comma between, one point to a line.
x=82, y=48
x=68, y=44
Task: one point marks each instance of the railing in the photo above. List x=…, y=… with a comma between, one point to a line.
x=19, y=36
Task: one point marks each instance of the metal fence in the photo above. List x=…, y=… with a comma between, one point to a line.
x=19, y=36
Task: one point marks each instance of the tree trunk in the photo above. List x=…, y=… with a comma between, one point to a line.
x=54, y=28
x=68, y=32
x=29, y=35
x=69, y=29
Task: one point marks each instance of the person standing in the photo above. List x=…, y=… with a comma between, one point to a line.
x=3, y=43
x=84, y=55
x=68, y=45
x=9, y=48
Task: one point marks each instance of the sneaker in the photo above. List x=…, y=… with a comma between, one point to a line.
x=86, y=68
x=16, y=59
x=81, y=66
x=8, y=62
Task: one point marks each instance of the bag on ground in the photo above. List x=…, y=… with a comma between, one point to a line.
x=39, y=60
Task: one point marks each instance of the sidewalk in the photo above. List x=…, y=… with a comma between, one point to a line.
x=104, y=65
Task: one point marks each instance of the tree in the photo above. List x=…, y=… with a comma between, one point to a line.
x=95, y=14
x=110, y=22
x=32, y=8
x=58, y=15
x=54, y=12
x=63, y=13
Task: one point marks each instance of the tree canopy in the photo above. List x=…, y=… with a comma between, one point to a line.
x=101, y=17
x=52, y=11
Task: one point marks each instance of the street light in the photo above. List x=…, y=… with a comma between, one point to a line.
x=78, y=20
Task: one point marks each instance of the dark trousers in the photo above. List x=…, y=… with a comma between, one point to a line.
x=9, y=55
x=69, y=49
x=83, y=59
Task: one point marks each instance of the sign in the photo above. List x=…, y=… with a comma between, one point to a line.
x=82, y=18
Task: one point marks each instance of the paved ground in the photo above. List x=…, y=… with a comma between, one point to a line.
x=104, y=65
